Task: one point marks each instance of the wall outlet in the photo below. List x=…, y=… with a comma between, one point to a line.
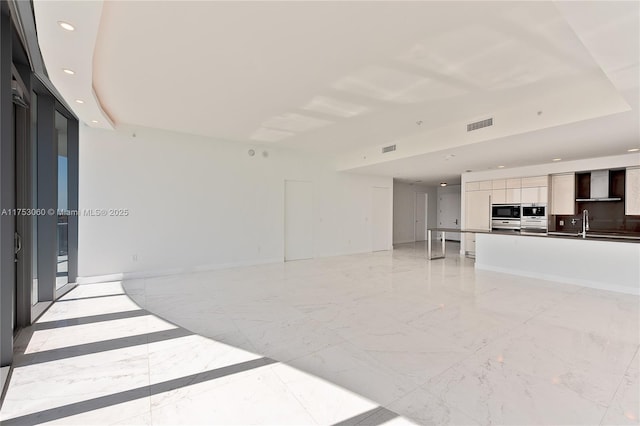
x=134, y=257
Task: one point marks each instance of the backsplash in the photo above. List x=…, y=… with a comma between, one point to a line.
x=604, y=216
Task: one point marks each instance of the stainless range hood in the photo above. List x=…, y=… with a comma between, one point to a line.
x=599, y=187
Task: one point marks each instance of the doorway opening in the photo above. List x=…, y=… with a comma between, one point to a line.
x=421, y=212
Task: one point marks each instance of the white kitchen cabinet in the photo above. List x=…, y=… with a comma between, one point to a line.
x=470, y=243
x=485, y=184
x=513, y=195
x=478, y=210
x=536, y=194
x=472, y=186
x=498, y=196
x=498, y=184
x=632, y=191
x=563, y=194
x=498, y=191
x=513, y=192
x=482, y=185
x=535, y=181
x=515, y=183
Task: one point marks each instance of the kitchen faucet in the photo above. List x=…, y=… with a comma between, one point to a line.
x=585, y=223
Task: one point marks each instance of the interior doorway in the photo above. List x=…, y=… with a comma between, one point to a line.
x=421, y=212
x=449, y=206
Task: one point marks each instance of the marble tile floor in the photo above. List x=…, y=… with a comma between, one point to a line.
x=380, y=338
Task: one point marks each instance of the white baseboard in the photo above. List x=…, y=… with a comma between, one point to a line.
x=565, y=280
x=134, y=275
x=95, y=279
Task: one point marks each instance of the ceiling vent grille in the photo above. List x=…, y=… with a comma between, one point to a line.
x=479, y=124
x=388, y=149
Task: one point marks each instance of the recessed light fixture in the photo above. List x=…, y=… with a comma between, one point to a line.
x=68, y=71
x=94, y=121
x=79, y=101
x=67, y=26
x=443, y=183
x=501, y=167
x=556, y=159
x=633, y=149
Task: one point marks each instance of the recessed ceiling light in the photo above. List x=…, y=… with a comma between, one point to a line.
x=443, y=183
x=501, y=167
x=94, y=121
x=556, y=159
x=67, y=26
x=79, y=101
x=68, y=71
x=633, y=149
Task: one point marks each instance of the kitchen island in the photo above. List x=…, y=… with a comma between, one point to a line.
x=607, y=262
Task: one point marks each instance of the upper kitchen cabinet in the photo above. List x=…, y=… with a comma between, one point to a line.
x=534, y=181
x=505, y=191
x=632, y=191
x=563, y=194
x=535, y=190
x=514, y=192
x=499, y=191
x=482, y=185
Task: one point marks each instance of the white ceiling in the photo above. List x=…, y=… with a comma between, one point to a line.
x=343, y=79
x=72, y=50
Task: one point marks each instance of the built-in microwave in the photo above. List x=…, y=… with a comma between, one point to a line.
x=505, y=217
x=505, y=211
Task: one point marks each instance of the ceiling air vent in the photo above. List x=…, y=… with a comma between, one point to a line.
x=388, y=149
x=479, y=124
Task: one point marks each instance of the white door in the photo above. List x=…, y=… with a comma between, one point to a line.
x=381, y=219
x=449, y=207
x=298, y=220
x=421, y=216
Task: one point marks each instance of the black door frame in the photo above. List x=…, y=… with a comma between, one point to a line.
x=33, y=139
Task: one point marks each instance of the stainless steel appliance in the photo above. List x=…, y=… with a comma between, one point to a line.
x=534, y=218
x=505, y=216
x=600, y=187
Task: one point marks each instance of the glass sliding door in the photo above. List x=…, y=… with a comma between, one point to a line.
x=62, y=272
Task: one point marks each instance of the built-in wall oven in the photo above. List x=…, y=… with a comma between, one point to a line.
x=505, y=216
x=534, y=218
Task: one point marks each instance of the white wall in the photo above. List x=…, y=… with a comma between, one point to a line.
x=198, y=203
x=404, y=199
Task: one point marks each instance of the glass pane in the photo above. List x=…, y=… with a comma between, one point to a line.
x=62, y=276
x=33, y=166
